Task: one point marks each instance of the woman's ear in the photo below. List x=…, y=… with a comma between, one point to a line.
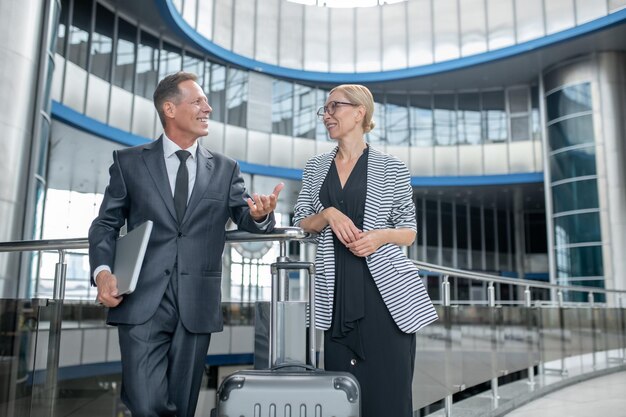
x=360, y=113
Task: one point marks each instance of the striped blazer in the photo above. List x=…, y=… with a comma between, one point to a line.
x=388, y=204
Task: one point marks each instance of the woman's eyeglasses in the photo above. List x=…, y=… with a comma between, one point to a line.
x=331, y=108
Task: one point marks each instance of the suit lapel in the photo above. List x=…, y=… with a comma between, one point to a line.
x=155, y=162
x=375, y=188
x=204, y=173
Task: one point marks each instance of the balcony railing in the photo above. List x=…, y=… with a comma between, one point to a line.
x=518, y=332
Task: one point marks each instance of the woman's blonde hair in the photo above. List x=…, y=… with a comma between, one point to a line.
x=361, y=95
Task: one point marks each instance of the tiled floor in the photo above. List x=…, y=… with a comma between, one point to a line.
x=602, y=397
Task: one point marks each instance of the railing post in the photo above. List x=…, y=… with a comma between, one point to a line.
x=445, y=300
x=491, y=301
x=528, y=305
x=54, y=334
x=594, y=349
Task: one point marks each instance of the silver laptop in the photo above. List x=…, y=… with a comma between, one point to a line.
x=129, y=252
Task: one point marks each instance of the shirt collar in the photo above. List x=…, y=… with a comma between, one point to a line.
x=170, y=147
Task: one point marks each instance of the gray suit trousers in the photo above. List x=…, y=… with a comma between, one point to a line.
x=162, y=362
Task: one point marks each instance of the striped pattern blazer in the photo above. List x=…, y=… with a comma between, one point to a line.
x=388, y=204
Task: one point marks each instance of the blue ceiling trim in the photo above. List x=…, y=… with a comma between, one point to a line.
x=477, y=180
x=179, y=25
x=89, y=125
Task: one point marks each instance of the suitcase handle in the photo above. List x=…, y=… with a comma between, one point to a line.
x=285, y=264
x=294, y=365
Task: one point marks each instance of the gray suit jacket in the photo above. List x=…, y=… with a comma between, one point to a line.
x=139, y=190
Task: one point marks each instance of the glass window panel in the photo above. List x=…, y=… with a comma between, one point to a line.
x=535, y=118
x=305, y=104
x=559, y=15
x=615, y=5
x=282, y=107
x=529, y=14
x=490, y=243
x=147, y=65
x=461, y=226
x=243, y=33
x=237, y=97
x=469, y=121
x=587, y=10
x=432, y=221
x=320, y=130
x=476, y=232
x=342, y=43
x=421, y=120
x=420, y=32
x=397, y=114
x=62, y=28
x=518, y=100
x=79, y=33
x=577, y=228
x=500, y=23
x=570, y=132
x=445, y=119
x=579, y=262
x=446, y=225
x=368, y=39
x=124, y=67
x=217, y=92
x=316, y=38
x=205, y=19
x=520, y=126
x=573, y=163
x=194, y=64
x=569, y=100
x=189, y=12
x=446, y=29
x=473, y=27
x=378, y=134
x=577, y=195
x=223, y=30
x=102, y=43
x=267, y=32
x=290, y=54
x=394, y=36
x=494, y=116
x=171, y=60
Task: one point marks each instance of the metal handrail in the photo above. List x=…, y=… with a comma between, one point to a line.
x=488, y=278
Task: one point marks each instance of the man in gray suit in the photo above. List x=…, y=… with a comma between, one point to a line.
x=189, y=193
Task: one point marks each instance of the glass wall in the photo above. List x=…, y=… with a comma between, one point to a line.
x=576, y=212
x=393, y=36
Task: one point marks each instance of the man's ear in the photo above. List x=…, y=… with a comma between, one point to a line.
x=169, y=109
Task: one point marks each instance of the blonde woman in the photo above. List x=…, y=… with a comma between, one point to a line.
x=370, y=300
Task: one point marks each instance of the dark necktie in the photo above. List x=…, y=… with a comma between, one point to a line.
x=181, y=189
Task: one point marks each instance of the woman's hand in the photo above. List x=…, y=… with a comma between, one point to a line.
x=341, y=225
x=367, y=243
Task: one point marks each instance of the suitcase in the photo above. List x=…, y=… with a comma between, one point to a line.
x=289, y=389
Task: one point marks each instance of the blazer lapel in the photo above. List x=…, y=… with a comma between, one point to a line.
x=204, y=172
x=375, y=191
x=155, y=162
x=324, y=166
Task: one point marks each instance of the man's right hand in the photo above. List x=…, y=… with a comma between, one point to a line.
x=107, y=289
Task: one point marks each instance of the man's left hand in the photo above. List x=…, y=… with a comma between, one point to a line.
x=262, y=205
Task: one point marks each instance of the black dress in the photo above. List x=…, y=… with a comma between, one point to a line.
x=363, y=338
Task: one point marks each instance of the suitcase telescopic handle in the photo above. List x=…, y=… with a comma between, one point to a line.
x=291, y=266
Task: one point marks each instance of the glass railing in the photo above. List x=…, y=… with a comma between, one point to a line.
x=498, y=342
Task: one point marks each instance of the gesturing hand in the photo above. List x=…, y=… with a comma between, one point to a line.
x=262, y=205
x=341, y=225
x=367, y=243
x=107, y=289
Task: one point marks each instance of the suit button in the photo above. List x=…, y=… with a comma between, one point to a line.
x=353, y=362
x=167, y=272
x=180, y=234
